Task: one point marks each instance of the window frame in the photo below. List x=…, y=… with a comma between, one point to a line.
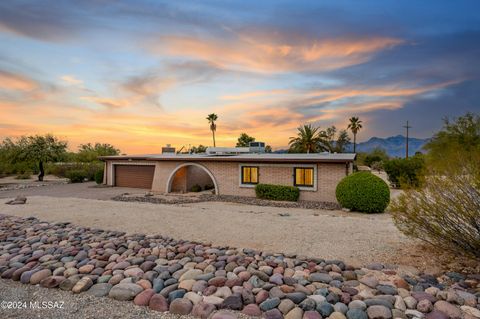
x=242, y=175
x=312, y=186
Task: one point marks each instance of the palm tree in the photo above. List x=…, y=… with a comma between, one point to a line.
x=213, y=127
x=309, y=140
x=355, y=126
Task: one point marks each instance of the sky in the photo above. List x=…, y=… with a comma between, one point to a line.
x=141, y=74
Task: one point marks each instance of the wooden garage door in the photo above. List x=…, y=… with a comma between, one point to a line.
x=138, y=176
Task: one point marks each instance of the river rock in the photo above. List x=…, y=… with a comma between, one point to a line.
x=181, y=306
x=158, y=303
x=125, y=291
x=143, y=298
x=203, y=310
x=100, y=290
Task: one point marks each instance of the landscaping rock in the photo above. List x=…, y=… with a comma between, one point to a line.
x=181, y=306
x=126, y=291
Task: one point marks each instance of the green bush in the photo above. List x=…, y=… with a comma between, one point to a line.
x=26, y=175
x=277, y=192
x=406, y=172
x=62, y=169
x=208, y=187
x=76, y=175
x=196, y=188
x=363, y=192
x=99, y=177
x=445, y=212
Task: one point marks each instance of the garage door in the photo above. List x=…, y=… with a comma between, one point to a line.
x=138, y=176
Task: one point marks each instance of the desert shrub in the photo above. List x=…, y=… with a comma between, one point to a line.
x=76, y=175
x=63, y=169
x=363, y=192
x=196, y=188
x=376, y=166
x=406, y=172
x=25, y=175
x=444, y=213
x=277, y=192
x=99, y=177
x=209, y=187
x=377, y=155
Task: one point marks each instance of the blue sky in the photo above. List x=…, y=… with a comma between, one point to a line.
x=140, y=74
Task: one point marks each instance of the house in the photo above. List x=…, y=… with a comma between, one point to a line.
x=231, y=171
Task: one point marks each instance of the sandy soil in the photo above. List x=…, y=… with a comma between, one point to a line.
x=355, y=238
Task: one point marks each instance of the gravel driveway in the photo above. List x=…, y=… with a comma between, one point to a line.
x=355, y=238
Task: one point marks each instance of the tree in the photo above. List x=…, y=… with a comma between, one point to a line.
x=198, y=149
x=90, y=153
x=40, y=149
x=355, y=125
x=309, y=140
x=376, y=156
x=458, y=140
x=342, y=141
x=213, y=126
x=244, y=140
x=268, y=149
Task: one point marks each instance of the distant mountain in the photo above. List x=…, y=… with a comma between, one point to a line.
x=393, y=145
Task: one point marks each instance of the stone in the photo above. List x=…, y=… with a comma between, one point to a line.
x=296, y=297
x=100, y=290
x=340, y=307
x=203, y=310
x=308, y=304
x=158, y=303
x=186, y=284
x=399, y=304
x=190, y=274
x=369, y=281
x=52, y=281
x=325, y=309
x=410, y=302
x=420, y=295
x=387, y=290
x=435, y=314
x=133, y=272
x=273, y=314
x=233, y=302
x=285, y=306
x=337, y=315
x=176, y=294
x=82, y=285
x=193, y=297
x=223, y=315
x=252, y=310
x=125, y=291
x=410, y=313
x=450, y=310
x=396, y=313
x=39, y=276
x=181, y=306
x=143, y=298
x=295, y=313
x=214, y=300
x=69, y=283
x=86, y=269
x=356, y=313
x=379, y=312
x=311, y=314
x=424, y=306
x=357, y=304
x=270, y=303
x=320, y=277
x=475, y=312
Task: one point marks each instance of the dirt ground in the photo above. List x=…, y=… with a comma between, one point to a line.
x=355, y=238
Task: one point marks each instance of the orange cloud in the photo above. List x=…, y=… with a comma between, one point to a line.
x=70, y=79
x=10, y=81
x=266, y=55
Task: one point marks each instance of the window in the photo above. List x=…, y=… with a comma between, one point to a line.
x=303, y=177
x=249, y=175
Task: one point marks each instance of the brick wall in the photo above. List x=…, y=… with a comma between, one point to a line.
x=227, y=178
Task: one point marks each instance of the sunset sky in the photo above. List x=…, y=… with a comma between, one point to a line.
x=140, y=74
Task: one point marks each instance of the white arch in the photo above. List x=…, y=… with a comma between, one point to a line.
x=172, y=174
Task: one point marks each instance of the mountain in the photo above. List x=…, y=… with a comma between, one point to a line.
x=393, y=145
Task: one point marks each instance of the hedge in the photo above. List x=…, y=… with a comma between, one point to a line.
x=277, y=192
x=363, y=192
x=76, y=175
x=99, y=177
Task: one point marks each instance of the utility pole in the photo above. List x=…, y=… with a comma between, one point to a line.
x=406, y=151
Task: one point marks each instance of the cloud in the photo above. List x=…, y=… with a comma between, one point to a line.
x=111, y=103
x=263, y=54
x=16, y=82
x=71, y=80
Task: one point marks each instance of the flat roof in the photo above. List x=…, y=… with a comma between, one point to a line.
x=250, y=157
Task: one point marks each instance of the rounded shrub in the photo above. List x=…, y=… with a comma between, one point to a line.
x=76, y=175
x=99, y=177
x=363, y=192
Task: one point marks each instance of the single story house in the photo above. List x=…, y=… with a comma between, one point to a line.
x=231, y=172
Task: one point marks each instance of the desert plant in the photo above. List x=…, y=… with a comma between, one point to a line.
x=99, y=177
x=444, y=213
x=406, y=172
x=277, y=192
x=376, y=155
x=363, y=192
x=25, y=175
x=355, y=125
x=76, y=175
x=196, y=188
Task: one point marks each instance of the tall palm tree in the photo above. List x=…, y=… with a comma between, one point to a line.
x=213, y=127
x=309, y=140
x=355, y=126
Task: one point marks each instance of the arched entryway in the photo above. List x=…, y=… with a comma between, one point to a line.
x=187, y=175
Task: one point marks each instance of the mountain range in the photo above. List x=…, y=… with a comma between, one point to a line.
x=393, y=145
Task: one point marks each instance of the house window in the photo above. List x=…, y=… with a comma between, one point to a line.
x=249, y=175
x=303, y=177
